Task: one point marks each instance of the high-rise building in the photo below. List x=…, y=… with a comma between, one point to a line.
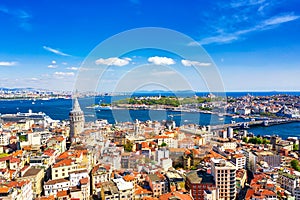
x=76, y=120
x=224, y=173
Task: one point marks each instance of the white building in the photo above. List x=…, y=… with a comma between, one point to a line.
x=75, y=177
x=166, y=163
x=4, y=138
x=53, y=186
x=160, y=154
x=211, y=194
x=239, y=160
x=288, y=181
x=228, y=145
x=125, y=188
x=171, y=142
x=297, y=193
x=34, y=138
x=224, y=173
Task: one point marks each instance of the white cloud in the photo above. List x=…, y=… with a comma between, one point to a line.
x=52, y=66
x=280, y=19
x=241, y=3
x=189, y=63
x=7, y=63
x=113, y=61
x=55, y=51
x=233, y=36
x=64, y=73
x=22, y=16
x=73, y=68
x=219, y=39
x=161, y=60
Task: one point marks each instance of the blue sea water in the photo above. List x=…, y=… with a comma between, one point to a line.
x=59, y=109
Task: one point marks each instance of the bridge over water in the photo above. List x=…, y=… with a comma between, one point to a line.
x=266, y=122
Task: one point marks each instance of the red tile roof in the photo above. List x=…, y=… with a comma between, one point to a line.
x=84, y=181
x=128, y=178
x=181, y=196
x=49, y=152
x=66, y=162
x=15, y=160
x=5, y=158
x=62, y=193
x=4, y=189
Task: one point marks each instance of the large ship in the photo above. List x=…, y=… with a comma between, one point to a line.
x=36, y=117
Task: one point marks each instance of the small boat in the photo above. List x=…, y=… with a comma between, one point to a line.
x=45, y=99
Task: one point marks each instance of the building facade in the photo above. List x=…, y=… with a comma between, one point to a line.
x=224, y=173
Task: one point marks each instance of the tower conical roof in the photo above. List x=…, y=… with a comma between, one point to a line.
x=76, y=106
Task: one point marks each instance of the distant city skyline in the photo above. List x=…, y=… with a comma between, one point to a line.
x=254, y=43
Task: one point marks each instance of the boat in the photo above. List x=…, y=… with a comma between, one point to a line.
x=221, y=116
x=100, y=108
x=45, y=99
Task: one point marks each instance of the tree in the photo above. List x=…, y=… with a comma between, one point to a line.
x=265, y=141
x=295, y=165
x=22, y=138
x=257, y=140
x=163, y=144
x=295, y=147
x=245, y=139
x=128, y=146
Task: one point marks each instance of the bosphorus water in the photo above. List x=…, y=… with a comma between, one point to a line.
x=59, y=109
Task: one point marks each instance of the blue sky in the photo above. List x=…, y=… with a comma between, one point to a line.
x=255, y=44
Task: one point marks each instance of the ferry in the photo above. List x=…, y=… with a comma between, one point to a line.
x=221, y=118
x=100, y=108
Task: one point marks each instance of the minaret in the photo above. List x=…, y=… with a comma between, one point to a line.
x=76, y=120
